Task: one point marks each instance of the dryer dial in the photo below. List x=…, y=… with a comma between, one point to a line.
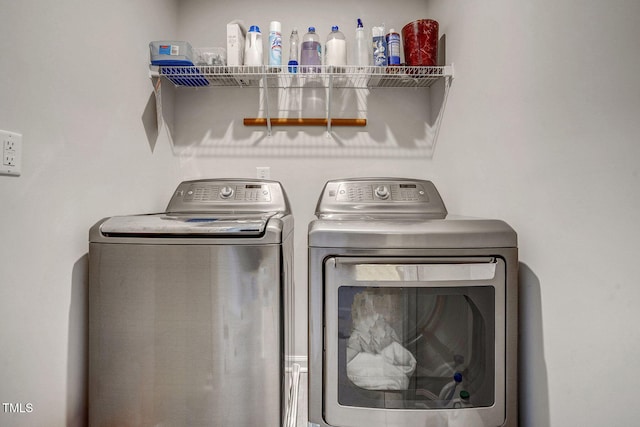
x=382, y=192
x=226, y=192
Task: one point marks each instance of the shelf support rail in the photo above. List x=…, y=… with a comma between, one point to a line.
x=330, y=89
x=265, y=90
x=448, y=79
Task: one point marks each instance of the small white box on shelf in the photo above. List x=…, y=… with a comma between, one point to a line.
x=236, y=33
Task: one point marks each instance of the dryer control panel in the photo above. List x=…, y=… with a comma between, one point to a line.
x=359, y=192
x=380, y=197
x=228, y=195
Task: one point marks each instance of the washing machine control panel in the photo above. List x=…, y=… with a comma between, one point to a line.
x=228, y=195
x=380, y=196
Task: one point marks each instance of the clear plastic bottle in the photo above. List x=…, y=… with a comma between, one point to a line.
x=293, y=51
x=311, y=53
x=336, y=48
x=361, y=51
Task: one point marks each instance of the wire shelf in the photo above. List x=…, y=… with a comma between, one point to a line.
x=347, y=77
x=323, y=77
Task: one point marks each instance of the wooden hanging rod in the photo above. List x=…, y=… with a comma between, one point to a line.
x=261, y=121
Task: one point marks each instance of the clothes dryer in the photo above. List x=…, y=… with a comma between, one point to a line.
x=187, y=322
x=412, y=312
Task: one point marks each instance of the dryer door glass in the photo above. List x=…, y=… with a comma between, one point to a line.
x=415, y=334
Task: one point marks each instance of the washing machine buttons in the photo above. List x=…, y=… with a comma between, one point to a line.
x=200, y=193
x=252, y=193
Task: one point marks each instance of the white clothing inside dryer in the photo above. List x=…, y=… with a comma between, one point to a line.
x=388, y=370
x=375, y=358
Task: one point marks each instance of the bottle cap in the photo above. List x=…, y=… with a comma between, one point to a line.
x=275, y=26
x=334, y=28
x=312, y=29
x=360, y=23
x=254, y=29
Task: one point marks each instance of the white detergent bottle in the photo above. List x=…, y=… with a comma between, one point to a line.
x=253, y=47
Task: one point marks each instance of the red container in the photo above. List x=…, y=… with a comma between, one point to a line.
x=420, y=40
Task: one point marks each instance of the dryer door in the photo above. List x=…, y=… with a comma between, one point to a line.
x=411, y=341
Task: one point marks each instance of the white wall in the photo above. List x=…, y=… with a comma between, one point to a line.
x=74, y=84
x=540, y=129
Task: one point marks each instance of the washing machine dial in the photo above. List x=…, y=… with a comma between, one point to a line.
x=382, y=192
x=226, y=192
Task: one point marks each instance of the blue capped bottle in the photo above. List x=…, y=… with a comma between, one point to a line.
x=253, y=47
x=361, y=52
x=336, y=48
x=311, y=53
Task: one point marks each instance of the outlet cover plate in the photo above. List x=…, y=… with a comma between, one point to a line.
x=11, y=146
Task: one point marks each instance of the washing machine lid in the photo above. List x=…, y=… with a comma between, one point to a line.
x=203, y=225
x=212, y=208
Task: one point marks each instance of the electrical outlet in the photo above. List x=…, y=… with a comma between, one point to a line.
x=9, y=158
x=11, y=153
x=263, y=172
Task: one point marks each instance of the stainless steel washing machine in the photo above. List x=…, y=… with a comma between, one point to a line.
x=412, y=312
x=187, y=321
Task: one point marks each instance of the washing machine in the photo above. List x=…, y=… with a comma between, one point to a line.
x=187, y=320
x=412, y=311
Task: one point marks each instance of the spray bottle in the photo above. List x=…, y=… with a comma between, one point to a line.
x=361, y=53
